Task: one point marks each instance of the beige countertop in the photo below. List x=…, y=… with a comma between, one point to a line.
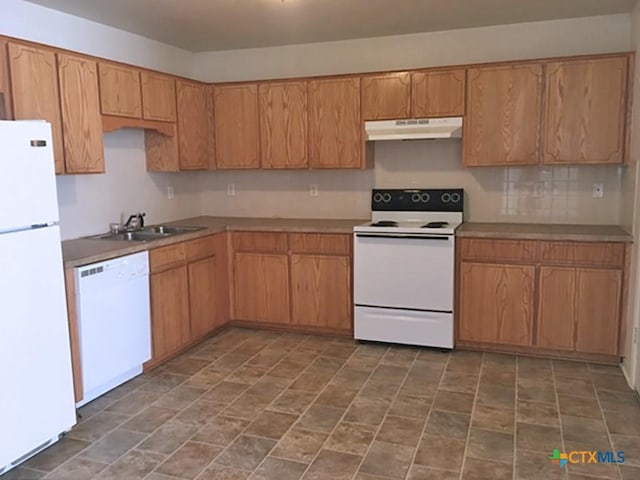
x=83, y=251
x=545, y=231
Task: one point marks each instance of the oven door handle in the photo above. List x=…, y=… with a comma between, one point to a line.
x=413, y=237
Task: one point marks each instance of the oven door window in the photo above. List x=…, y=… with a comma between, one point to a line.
x=397, y=272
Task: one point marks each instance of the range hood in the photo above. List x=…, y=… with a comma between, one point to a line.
x=414, y=129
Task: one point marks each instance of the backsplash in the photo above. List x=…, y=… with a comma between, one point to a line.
x=503, y=194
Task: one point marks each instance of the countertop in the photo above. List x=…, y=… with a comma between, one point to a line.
x=545, y=231
x=83, y=251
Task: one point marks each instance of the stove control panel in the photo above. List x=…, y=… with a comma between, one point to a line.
x=418, y=200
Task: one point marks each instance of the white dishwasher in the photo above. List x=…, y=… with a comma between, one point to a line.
x=114, y=322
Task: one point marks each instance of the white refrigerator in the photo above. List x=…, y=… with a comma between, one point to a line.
x=36, y=382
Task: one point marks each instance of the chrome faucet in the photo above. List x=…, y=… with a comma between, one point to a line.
x=135, y=222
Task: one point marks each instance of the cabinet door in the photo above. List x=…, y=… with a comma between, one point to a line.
x=82, y=125
x=598, y=310
x=321, y=291
x=283, y=125
x=335, y=128
x=437, y=93
x=261, y=287
x=34, y=88
x=169, y=312
x=585, y=109
x=503, y=115
x=120, y=90
x=556, y=308
x=386, y=96
x=193, y=126
x=6, y=105
x=496, y=303
x=202, y=297
x=158, y=97
x=236, y=126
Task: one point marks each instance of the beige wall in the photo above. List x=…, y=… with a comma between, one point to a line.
x=88, y=203
x=630, y=213
x=601, y=34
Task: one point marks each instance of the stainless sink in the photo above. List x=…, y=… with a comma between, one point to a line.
x=150, y=233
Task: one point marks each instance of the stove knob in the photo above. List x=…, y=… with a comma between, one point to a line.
x=415, y=198
x=446, y=198
x=386, y=198
x=377, y=197
x=424, y=198
x=455, y=197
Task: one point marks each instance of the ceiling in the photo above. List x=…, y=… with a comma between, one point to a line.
x=201, y=25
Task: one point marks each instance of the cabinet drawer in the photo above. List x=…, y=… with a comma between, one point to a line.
x=573, y=253
x=327, y=243
x=201, y=248
x=260, y=242
x=501, y=250
x=165, y=258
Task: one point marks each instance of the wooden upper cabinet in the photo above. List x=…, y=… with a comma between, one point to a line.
x=120, y=92
x=386, y=96
x=283, y=124
x=437, y=93
x=6, y=105
x=158, y=97
x=35, y=93
x=585, y=111
x=335, y=126
x=236, y=126
x=82, y=124
x=193, y=126
x=502, y=119
x=496, y=303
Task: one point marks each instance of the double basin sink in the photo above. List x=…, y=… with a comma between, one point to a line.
x=150, y=233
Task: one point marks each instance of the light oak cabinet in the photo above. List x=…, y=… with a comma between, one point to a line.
x=35, y=91
x=556, y=297
x=496, y=303
x=236, y=126
x=80, y=108
x=158, y=97
x=120, y=91
x=386, y=96
x=585, y=111
x=437, y=93
x=6, y=105
x=503, y=115
x=335, y=126
x=283, y=124
x=193, y=126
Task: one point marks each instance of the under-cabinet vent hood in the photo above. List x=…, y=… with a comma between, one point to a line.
x=414, y=129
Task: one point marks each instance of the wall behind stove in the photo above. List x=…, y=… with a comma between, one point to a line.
x=502, y=194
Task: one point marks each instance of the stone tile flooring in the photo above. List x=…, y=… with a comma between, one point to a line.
x=262, y=405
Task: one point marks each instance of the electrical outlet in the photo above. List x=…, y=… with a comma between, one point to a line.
x=538, y=190
x=231, y=189
x=170, y=192
x=635, y=335
x=598, y=190
x=313, y=190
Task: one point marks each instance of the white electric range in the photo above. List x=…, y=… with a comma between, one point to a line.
x=404, y=267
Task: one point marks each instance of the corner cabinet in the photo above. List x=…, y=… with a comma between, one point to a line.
x=236, y=126
x=503, y=115
x=555, y=298
x=585, y=111
x=335, y=126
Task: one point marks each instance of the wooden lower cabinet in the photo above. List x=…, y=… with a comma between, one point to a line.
x=496, y=303
x=578, y=309
x=261, y=287
x=169, y=312
x=202, y=297
x=321, y=291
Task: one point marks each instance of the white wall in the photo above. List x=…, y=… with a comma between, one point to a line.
x=601, y=34
x=32, y=22
x=88, y=203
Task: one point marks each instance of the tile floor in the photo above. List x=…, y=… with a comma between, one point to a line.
x=261, y=405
